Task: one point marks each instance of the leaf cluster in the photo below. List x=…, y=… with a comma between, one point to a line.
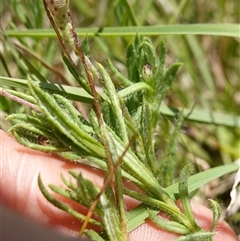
x=129, y=110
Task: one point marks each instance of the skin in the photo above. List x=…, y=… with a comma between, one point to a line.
x=19, y=168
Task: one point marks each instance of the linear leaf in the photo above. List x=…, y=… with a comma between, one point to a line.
x=231, y=30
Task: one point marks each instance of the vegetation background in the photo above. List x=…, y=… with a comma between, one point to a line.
x=208, y=80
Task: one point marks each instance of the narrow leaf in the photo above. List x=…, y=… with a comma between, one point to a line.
x=94, y=236
x=171, y=226
x=147, y=135
x=216, y=213
x=199, y=236
x=184, y=197
x=115, y=104
x=166, y=84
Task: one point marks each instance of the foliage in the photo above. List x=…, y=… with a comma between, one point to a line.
x=123, y=133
